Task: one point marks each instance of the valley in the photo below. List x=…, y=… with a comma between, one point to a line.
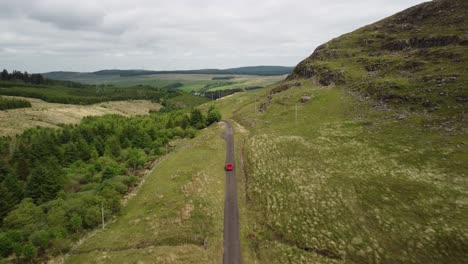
x=356, y=155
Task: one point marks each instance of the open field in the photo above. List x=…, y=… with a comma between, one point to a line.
x=247, y=81
x=52, y=115
x=187, y=82
x=176, y=217
x=349, y=183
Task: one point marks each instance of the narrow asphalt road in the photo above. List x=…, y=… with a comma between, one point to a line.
x=231, y=253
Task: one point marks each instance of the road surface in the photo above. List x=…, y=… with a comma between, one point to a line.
x=231, y=253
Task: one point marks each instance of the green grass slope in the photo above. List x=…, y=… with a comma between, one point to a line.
x=417, y=58
x=360, y=157
x=177, y=215
x=348, y=183
x=91, y=95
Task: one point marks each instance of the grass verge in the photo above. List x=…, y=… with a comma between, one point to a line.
x=177, y=216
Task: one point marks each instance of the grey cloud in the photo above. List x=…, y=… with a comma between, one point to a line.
x=85, y=35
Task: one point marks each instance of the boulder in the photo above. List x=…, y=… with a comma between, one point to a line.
x=305, y=99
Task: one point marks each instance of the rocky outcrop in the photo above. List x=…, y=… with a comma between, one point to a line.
x=325, y=75
x=305, y=98
x=413, y=58
x=423, y=42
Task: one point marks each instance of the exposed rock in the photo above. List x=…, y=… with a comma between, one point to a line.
x=331, y=78
x=280, y=88
x=375, y=67
x=400, y=117
x=305, y=99
x=325, y=75
x=440, y=79
x=426, y=42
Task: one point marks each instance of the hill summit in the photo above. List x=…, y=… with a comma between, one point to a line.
x=417, y=57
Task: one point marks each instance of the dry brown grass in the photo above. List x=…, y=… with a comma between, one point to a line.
x=45, y=114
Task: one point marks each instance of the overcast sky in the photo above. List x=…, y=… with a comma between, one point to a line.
x=88, y=35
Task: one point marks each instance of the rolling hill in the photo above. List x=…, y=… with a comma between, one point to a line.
x=252, y=70
x=417, y=58
x=359, y=156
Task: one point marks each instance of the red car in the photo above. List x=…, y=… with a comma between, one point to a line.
x=229, y=167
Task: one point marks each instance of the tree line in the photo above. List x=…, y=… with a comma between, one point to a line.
x=17, y=77
x=53, y=182
x=9, y=103
x=93, y=95
x=23, y=77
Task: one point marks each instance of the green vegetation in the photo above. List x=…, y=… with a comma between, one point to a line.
x=408, y=60
x=207, y=85
x=253, y=70
x=176, y=216
x=92, y=95
x=348, y=182
x=360, y=157
x=53, y=115
x=17, y=76
x=68, y=92
x=54, y=181
x=8, y=103
x=222, y=78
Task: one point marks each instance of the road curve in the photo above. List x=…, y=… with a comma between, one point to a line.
x=231, y=252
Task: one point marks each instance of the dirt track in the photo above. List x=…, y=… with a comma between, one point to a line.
x=231, y=253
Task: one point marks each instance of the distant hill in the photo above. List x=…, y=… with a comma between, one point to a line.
x=252, y=70
x=418, y=57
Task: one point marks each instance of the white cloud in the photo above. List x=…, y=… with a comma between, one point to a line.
x=89, y=35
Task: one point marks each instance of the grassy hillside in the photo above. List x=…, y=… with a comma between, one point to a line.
x=177, y=215
x=416, y=59
x=43, y=114
x=360, y=157
x=55, y=182
x=200, y=84
x=92, y=94
x=350, y=183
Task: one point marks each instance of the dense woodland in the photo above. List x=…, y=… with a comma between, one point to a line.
x=90, y=95
x=11, y=103
x=53, y=182
x=67, y=92
x=18, y=77
x=214, y=95
x=23, y=77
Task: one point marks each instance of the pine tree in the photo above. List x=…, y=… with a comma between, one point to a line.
x=5, y=206
x=22, y=169
x=29, y=252
x=84, y=151
x=196, y=119
x=4, y=75
x=113, y=146
x=70, y=153
x=4, y=169
x=44, y=182
x=15, y=188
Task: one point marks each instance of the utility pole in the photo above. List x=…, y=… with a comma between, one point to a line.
x=102, y=214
